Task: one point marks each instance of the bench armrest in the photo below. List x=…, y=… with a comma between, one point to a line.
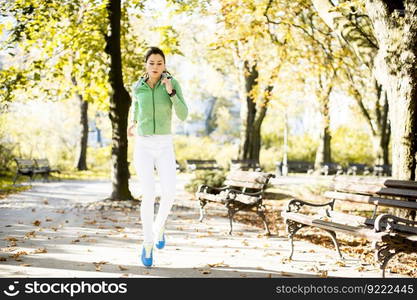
x=295, y=205
x=210, y=189
x=391, y=223
x=244, y=193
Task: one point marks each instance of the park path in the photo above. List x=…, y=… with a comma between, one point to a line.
x=47, y=231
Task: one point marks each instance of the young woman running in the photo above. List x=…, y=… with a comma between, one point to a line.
x=155, y=95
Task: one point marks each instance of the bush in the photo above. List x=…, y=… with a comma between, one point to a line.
x=210, y=177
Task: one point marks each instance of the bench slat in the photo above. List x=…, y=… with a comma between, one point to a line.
x=398, y=192
x=243, y=184
x=360, y=188
x=370, y=200
x=401, y=184
x=258, y=177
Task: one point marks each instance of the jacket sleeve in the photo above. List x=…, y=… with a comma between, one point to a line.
x=134, y=108
x=181, y=109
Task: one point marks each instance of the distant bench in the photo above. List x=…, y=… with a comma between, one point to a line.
x=202, y=164
x=389, y=233
x=33, y=167
x=241, y=191
x=295, y=166
x=245, y=165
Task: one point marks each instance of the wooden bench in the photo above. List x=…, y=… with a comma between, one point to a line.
x=389, y=233
x=245, y=165
x=202, y=164
x=331, y=169
x=294, y=166
x=43, y=167
x=358, y=169
x=242, y=191
x=382, y=170
x=33, y=167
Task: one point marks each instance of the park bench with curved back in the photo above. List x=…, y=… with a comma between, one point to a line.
x=33, y=167
x=389, y=233
x=202, y=164
x=242, y=191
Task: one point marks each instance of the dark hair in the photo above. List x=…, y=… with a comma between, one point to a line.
x=154, y=50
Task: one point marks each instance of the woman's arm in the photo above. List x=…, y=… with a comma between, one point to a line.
x=181, y=109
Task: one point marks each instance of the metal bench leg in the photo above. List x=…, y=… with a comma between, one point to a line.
x=15, y=178
x=383, y=254
x=292, y=228
x=231, y=213
x=202, y=204
x=335, y=242
x=260, y=210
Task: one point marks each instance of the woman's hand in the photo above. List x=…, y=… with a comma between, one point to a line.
x=168, y=85
x=130, y=131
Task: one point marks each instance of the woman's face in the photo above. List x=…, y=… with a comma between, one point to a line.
x=155, y=66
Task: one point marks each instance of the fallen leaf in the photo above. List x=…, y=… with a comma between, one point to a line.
x=220, y=264
x=10, y=238
x=340, y=263
x=25, y=265
x=90, y=222
x=36, y=223
x=75, y=241
x=30, y=234
x=121, y=268
x=3, y=259
x=40, y=250
x=45, y=202
x=323, y=273
x=48, y=220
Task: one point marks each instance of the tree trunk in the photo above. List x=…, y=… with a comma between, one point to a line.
x=252, y=117
x=81, y=164
x=323, y=154
x=395, y=66
x=249, y=136
x=377, y=121
x=119, y=107
x=210, y=116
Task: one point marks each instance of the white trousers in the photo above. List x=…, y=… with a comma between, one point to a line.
x=155, y=151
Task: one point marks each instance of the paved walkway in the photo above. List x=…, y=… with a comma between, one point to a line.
x=44, y=233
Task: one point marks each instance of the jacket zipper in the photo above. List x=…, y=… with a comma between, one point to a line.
x=153, y=103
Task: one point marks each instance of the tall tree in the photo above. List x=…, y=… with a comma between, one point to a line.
x=393, y=65
x=119, y=105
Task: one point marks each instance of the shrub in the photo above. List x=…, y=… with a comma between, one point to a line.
x=209, y=177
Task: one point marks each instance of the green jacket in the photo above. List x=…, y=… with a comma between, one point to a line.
x=152, y=107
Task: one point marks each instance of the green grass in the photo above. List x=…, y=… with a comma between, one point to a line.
x=78, y=175
x=7, y=187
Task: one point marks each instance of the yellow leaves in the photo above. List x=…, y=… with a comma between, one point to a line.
x=99, y=264
x=121, y=268
x=36, y=223
x=10, y=239
x=40, y=250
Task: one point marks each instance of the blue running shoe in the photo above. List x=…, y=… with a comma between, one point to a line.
x=160, y=244
x=147, y=256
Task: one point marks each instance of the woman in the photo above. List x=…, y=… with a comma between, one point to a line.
x=155, y=94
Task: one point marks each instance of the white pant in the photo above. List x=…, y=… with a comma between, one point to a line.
x=151, y=151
